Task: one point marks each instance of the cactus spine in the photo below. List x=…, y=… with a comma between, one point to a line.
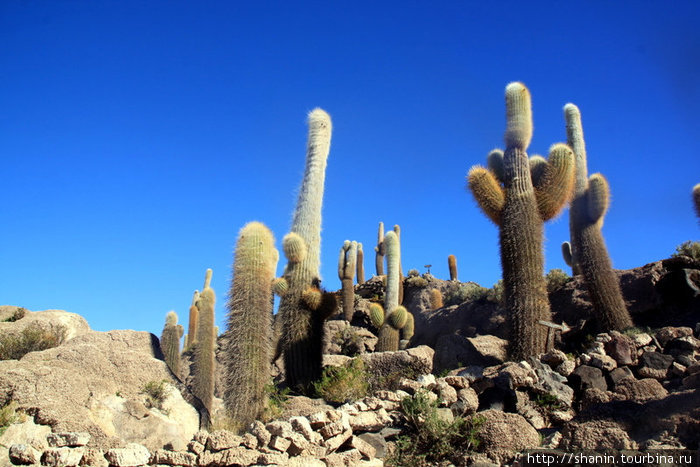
x=346, y=274
x=170, y=342
x=395, y=316
x=249, y=349
x=379, y=249
x=696, y=199
x=588, y=251
x=452, y=266
x=204, y=355
x=360, y=265
x=192, y=327
x=302, y=317
x=507, y=195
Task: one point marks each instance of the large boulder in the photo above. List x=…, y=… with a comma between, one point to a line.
x=69, y=324
x=95, y=383
x=502, y=435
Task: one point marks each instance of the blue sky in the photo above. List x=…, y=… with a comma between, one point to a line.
x=138, y=137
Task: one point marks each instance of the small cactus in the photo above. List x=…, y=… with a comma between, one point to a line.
x=346, y=274
x=248, y=351
x=587, y=252
x=204, y=355
x=435, y=299
x=360, y=265
x=193, y=318
x=519, y=201
x=452, y=266
x=409, y=328
x=395, y=318
x=170, y=342
x=379, y=250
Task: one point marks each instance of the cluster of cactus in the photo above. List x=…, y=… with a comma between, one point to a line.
x=392, y=317
x=170, y=342
x=303, y=307
x=204, y=351
x=518, y=194
x=587, y=253
x=248, y=350
x=452, y=266
x=346, y=273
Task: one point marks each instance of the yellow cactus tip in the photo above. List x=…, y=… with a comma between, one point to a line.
x=294, y=247
x=560, y=148
x=570, y=110
x=696, y=189
x=319, y=116
x=515, y=87
x=171, y=318
x=518, y=116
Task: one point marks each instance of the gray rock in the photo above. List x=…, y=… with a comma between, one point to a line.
x=162, y=456
x=587, y=377
x=23, y=454
x=552, y=383
x=68, y=439
x=377, y=441
x=654, y=365
x=62, y=457
x=132, y=455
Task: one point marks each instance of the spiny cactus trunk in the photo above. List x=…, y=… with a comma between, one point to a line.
x=588, y=251
x=204, y=360
x=302, y=334
x=248, y=351
x=348, y=299
x=170, y=343
x=360, y=265
x=522, y=259
x=452, y=265
x=388, y=334
x=388, y=339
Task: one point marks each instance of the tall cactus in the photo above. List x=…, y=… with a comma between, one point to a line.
x=249, y=349
x=204, y=355
x=435, y=299
x=170, y=342
x=394, y=318
x=452, y=266
x=519, y=204
x=588, y=251
x=379, y=250
x=696, y=199
x=192, y=326
x=397, y=231
x=303, y=308
x=360, y=265
x=346, y=273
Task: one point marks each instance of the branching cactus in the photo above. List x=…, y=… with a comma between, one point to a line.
x=696, y=199
x=360, y=265
x=346, y=274
x=170, y=342
x=379, y=250
x=589, y=255
x=249, y=349
x=519, y=203
x=407, y=332
x=452, y=266
x=204, y=359
x=194, y=317
x=303, y=307
x=395, y=317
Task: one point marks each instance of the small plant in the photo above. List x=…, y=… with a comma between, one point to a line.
x=496, y=293
x=155, y=392
x=33, y=338
x=431, y=440
x=631, y=332
x=390, y=381
x=340, y=384
x=467, y=292
x=556, y=279
x=689, y=248
x=276, y=399
x=349, y=341
x=417, y=281
x=18, y=314
x=8, y=415
x=549, y=402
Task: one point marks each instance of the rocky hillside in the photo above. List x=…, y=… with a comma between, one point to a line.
x=451, y=397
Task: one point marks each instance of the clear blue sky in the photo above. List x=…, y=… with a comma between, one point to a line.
x=138, y=137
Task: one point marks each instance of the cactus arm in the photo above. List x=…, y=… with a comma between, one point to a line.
x=376, y=315
x=538, y=164
x=379, y=250
x=409, y=328
x=494, y=162
x=597, y=198
x=487, y=191
x=170, y=342
x=553, y=189
x=203, y=381
x=360, y=264
x=566, y=254
x=346, y=274
x=452, y=266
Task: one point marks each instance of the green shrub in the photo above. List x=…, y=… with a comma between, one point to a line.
x=390, y=381
x=467, y=292
x=549, y=402
x=155, y=392
x=349, y=341
x=556, y=279
x=18, y=314
x=691, y=249
x=340, y=384
x=496, y=293
x=8, y=416
x=33, y=338
x=417, y=281
x=430, y=440
x=276, y=400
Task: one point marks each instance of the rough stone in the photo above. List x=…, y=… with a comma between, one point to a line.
x=271, y=458
x=94, y=457
x=222, y=439
x=24, y=454
x=552, y=383
x=132, y=455
x=502, y=435
x=333, y=443
x=587, y=377
x=280, y=428
x=457, y=382
x=377, y=441
x=654, y=365
x=622, y=349
x=414, y=361
x=446, y=393
x=62, y=457
x=467, y=402
x=640, y=390
x=620, y=373
x=257, y=429
x=344, y=459
x=279, y=444
x=668, y=333
x=369, y=421
x=58, y=440
x=366, y=449
x=604, y=362
x=162, y=456
x=595, y=435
